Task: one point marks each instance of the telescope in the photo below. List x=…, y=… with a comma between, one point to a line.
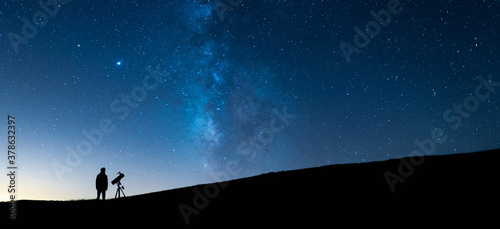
x=120, y=188
x=118, y=178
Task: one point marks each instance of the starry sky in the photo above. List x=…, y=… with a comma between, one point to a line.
x=173, y=93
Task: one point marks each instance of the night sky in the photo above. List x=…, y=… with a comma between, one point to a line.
x=176, y=93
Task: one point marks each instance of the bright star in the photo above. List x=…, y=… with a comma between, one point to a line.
x=119, y=63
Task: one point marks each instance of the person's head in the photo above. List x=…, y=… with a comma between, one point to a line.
x=103, y=170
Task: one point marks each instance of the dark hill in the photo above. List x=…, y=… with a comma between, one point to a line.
x=450, y=189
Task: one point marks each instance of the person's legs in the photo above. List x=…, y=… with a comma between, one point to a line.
x=98, y=194
x=104, y=195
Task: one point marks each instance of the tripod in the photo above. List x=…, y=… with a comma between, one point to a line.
x=119, y=189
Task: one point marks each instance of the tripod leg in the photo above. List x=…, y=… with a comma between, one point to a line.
x=117, y=193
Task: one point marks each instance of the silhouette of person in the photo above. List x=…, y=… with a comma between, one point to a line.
x=101, y=183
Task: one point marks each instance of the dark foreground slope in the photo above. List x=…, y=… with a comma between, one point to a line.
x=461, y=187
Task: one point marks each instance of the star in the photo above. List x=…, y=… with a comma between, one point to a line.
x=119, y=63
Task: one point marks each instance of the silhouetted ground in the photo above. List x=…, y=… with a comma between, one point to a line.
x=447, y=189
